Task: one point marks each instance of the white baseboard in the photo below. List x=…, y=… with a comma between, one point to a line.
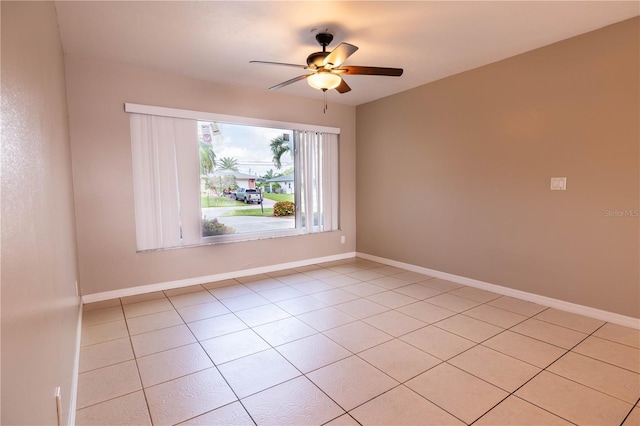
x=132, y=291
x=506, y=291
x=73, y=404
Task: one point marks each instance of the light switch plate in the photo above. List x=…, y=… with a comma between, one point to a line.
x=558, y=183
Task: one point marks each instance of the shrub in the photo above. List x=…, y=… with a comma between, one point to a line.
x=212, y=227
x=284, y=208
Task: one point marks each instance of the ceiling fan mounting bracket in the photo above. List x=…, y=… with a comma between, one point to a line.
x=324, y=39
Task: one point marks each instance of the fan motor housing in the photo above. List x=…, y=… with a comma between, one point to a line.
x=317, y=59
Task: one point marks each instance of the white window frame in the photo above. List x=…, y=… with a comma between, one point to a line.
x=229, y=119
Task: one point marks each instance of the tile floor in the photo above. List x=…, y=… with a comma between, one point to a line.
x=346, y=343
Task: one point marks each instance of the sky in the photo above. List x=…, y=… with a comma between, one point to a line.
x=248, y=144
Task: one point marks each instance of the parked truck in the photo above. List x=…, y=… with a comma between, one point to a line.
x=249, y=196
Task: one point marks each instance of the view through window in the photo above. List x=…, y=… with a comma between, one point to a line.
x=247, y=179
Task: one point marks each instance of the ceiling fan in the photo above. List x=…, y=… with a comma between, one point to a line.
x=326, y=69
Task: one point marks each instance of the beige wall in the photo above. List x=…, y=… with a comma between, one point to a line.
x=39, y=267
x=455, y=175
x=102, y=171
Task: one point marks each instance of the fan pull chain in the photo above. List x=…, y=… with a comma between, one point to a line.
x=325, y=101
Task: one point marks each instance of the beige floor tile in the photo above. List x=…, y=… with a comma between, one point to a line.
x=518, y=306
x=515, y=411
x=364, y=289
x=339, y=280
x=437, y=342
x=476, y=294
x=230, y=291
x=106, y=383
x=295, y=402
x=219, y=284
x=216, y=326
x=187, y=397
x=573, y=401
x=103, y=332
x=361, y=308
x=264, y=284
x=442, y=285
x=321, y=273
x=392, y=299
x=152, y=322
x=344, y=420
x=550, y=333
x=389, y=282
x=345, y=269
x=469, y=328
x=426, y=312
x=246, y=301
x=143, y=297
x=418, y=291
x=498, y=369
x=105, y=354
x=633, y=419
x=453, y=303
x=606, y=378
x=202, y=311
x=233, y=346
x=190, y=299
x=112, y=303
x=168, y=365
x=357, y=336
x=101, y=316
x=262, y=315
x=313, y=352
x=295, y=278
x=387, y=270
x=334, y=296
x=248, y=375
x=300, y=305
x=495, y=316
x=161, y=340
x=184, y=290
x=326, y=318
x=459, y=393
x=614, y=353
x=617, y=333
x=366, y=275
x=401, y=406
x=351, y=381
x=412, y=277
x=395, y=323
x=284, y=331
x=399, y=359
x=310, y=287
x=281, y=293
x=570, y=320
x=527, y=349
x=130, y=409
x=232, y=414
x=145, y=308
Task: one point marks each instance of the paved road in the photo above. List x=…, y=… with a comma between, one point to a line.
x=244, y=224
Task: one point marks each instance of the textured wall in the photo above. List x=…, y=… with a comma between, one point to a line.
x=39, y=267
x=455, y=175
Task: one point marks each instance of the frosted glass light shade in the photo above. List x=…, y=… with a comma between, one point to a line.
x=324, y=80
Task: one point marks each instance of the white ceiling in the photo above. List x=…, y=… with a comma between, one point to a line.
x=215, y=40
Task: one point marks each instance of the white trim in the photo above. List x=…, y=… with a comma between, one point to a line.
x=132, y=291
x=223, y=118
x=588, y=311
x=73, y=404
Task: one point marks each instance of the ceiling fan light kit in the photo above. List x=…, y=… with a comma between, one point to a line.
x=326, y=67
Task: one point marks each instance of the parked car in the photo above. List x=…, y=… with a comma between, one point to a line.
x=248, y=196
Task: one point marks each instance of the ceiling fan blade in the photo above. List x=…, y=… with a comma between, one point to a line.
x=352, y=69
x=343, y=87
x=279, y=63
x=288, y=82
x=339, y=55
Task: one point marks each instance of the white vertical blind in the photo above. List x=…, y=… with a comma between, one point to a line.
x=165, y=181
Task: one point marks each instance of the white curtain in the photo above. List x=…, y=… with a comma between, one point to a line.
x=318, y=175
x=166, y=183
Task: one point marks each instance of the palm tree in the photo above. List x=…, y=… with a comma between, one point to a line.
x=228, y=163
x=278, y=147
x=270, y=175
x=207, y=158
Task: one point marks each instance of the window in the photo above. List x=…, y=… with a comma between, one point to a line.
x=201, y=178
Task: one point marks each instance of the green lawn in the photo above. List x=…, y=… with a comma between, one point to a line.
x=268, y=212
x=219, y=202
x=279, y=197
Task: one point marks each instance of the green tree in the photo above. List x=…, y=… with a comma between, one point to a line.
x=279, y=147
x=228, y=163
x=207, y=158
